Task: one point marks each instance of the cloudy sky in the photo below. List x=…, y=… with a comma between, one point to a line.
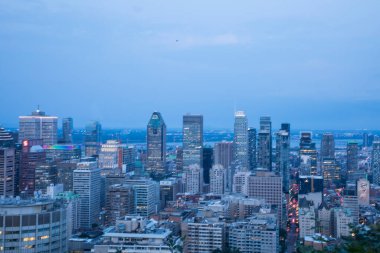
x=315, y=64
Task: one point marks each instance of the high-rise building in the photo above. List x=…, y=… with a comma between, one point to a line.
x=7, y=172
x=194, y=179
x=120, y=202
x=240, y=182
x=6, y=139
x=87, y=183
x=168, y=191
x=32, y=156
x=156, y=144
x=327, y=146
x=193, y=152
x=252, y=136
x=111, y=157
x=45, y=175
x=330, y=171
x=307, y=219
x=218, y=179
x=147, y=194
x=342, y=221
x=240, y=147
x=192, y=140
x=38, y=126
x=208, y=161
x=352, y=157
x=267, y=185
x=67, y=130
x=93, y=138
x=310, y=184
x=34, y=225
x=308, y=155
x=264, y=145
x=375, y=164
x=362, y=189
x=223, y=155
x=129, y=158
x=282, y=156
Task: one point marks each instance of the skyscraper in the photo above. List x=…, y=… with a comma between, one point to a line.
x=147, y=194
x=208, y=161
x=67, y=129
x=192, y=140
x=264, y=146
x=32, y=156
x=93, y=138
x=38, y=126
x=87, y=183
x=6, y=139
x=327, y=146
x=240, y=148
x=223, y=154
x=376, y=162
x=330, y=171
x=193, y=152
x=156, y=144
x=352, y=157
x=111, y=157
x=252, y=136
x=282, y=154
x=308, y=154
x=7, y=172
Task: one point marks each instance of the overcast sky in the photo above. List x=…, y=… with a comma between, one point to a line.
x=315, y=64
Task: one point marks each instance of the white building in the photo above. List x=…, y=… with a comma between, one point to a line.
x=147, y=194
x=194, y=179
x=38, y=126
x=240, y=147
x=240, y=182
x=306, y=217
x=134, y=234
x=259, y=233
x=342, y=221
x=203, y=235
x=86, y=183
x=218, y=179
x=111, y=157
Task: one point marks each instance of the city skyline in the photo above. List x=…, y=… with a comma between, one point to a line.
x=305, y=63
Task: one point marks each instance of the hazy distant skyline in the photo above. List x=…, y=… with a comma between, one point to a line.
x=314, y=64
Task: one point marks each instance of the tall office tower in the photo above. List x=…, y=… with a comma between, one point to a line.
x=307, y=219
x=264, y=145
x=129, y=158
x=168, y=191
x=32, y=156
x=252, y=136
x=223, y=154
x=218, y=179
x=327, y=146
x=45, y=176
x=86, y=183
x=65, y=172
x=352, y=157
x=33, y=225
x=310, y=184
x=375, y=165
x=179, y=158
x=6, y=139
x=7, y=172
x=240, y=182
x=342, y=222
x=194, y=179
x=38, y=126
x=192, y=140
x=147, y=194
x=282, y=155
x=267, y=185
x=156, y=144
x=362, y=189
x=111, y=157
x=208, y=161
x=308, y=154
x=120, y=202
x=203, y=235
x=324, y=219
x=67, y=129
x=368, y=139
x=330, y=171
x=240, y=147
x=93, y=138
x=259, y=233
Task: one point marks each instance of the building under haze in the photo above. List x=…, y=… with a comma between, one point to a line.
x=264, y=144
x=7, y=172
x=67, y=130
x=240, y=147
x=93, y=138
x=327, y=146
x=375, y=165
x=352, y=157
x=282, y=155
x=308, y=155
x=156, y=144
x=218, y=179
x=252, y=139
x=38, y=126
x=192, y=140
